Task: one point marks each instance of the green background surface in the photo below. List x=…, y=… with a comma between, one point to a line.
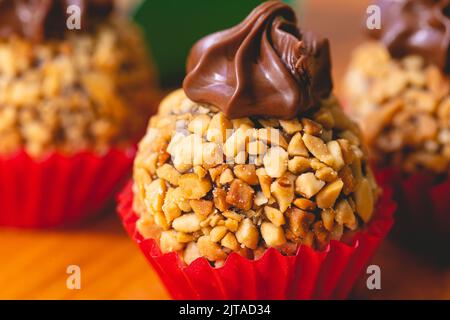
x=172, y=26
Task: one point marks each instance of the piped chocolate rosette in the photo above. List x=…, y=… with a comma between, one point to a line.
x=252, y=155
x=75, y=92
x=398, y=88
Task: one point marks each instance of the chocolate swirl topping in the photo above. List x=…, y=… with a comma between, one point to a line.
x=265, y=66
x=37, y=20
x=416, y=27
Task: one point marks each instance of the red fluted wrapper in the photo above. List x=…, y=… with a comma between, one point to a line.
x=59, y=189
x=309, y=274
x=424, y=205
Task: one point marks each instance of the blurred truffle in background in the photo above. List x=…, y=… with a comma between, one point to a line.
x=70, y=90
x=76, y=90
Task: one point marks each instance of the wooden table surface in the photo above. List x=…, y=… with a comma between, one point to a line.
x=33, y=263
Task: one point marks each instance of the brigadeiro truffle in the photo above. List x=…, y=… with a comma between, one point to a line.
x=398, y=88
x=75, y=90
x=250, y=181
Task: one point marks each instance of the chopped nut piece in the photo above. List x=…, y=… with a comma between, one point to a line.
x=168, y=173
x=170, y=207
x=199, y=124
x=305, y=204
x=226, y=176
x=184, y=237
x=209, y=249
x=191, y=253
x=218, y=126
x=230, y=242
x=327, y=196
x=220, y=202
x=328, y=216
x=275, y=162
x=364, y=200
x=240, y=195
x=274, y=215
x=186, y=152
x=213, y=220
x=260, y=199
x=346, y=176
x=298, y=165
x=322, y=236
x=241, y=157
x=236, y=142
x=246, y=173
x=155, y=193
x=212, y=154
x=283, y=190
x=350, y=136
x=291, y=126
x=181, y=201
x=148, y=228
x=297, y=147
x=187, y=223
x=318, y=148
x=272, y=235
x=271, y=137
x=194, y=187
x=204, y=230
x=325, y=118
x=256, y=147
x=265, y=181
x=217, y=233
x=345, y=215
x=326, y=174
x=317, y=165
x=160, y=220
x=308, y=240
x=217, y=171
x=163, y=156
x=357, y=169
x=311, y=127
x=308, y=185
x=232, y=224
x=335, y=151
x=347, y=151
x=168, y=242
x=200, y=171
x=248, y=234
x=202, y=208
x=232, y=215
x=246, y=123
x=299, y=222
x=338, y=231
x=142, y=179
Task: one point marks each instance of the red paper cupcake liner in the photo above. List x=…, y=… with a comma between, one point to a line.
x=59, y=190
x=309, y=274
x=424, y=205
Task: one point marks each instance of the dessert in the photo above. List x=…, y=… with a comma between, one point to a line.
x=253, y=154
x=70, y=90
x=398, y=88
x=73, y=100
